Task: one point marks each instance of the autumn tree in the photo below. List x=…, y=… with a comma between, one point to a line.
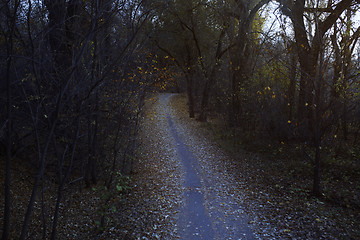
x=344, y=40
x=174, y=38
x=241, y=15
x=310, y=41
x=197, y=30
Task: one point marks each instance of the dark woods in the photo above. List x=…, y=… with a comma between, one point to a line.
x=71, y=100
x=74, y=76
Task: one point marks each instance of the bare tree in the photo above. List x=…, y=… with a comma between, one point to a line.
x=10, y=11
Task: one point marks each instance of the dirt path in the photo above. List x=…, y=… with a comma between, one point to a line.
x=209, y=204
x=186, y=187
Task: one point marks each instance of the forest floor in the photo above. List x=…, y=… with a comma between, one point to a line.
x=260, y=198
x=184, y=187
x=187, y=186
x=264, y=202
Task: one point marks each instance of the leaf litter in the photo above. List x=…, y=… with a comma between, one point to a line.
x=150, y=209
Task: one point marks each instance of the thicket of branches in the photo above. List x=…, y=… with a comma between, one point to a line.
x=71, y=99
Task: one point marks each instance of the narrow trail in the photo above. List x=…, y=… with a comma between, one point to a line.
x=194, y=218
x=185, y=186
x=211, y=207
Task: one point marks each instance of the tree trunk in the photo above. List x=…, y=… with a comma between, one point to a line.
x=63, y=181
x=204, y=102
x=344, y=121
x=95, y=142
x=241, y=59
x=241, y=74
x=316, y=180
x=308, y=52
x=39, y=176
x=90, y=171
x=292, y=86
x=7, y=196
x=57, y=37
x=318, y=122
x=190, y=95
x=7, y=183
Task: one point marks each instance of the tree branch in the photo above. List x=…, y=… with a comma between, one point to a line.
x=331, y=19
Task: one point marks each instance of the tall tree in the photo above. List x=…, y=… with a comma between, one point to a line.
x=242, y=14
x=344, y=40
x=310, y=42
x=175, y=39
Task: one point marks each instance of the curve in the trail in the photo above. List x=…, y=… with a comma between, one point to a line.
x=195, y=222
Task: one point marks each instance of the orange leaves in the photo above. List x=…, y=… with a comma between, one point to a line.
x=267, y=92
x=148, y=72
